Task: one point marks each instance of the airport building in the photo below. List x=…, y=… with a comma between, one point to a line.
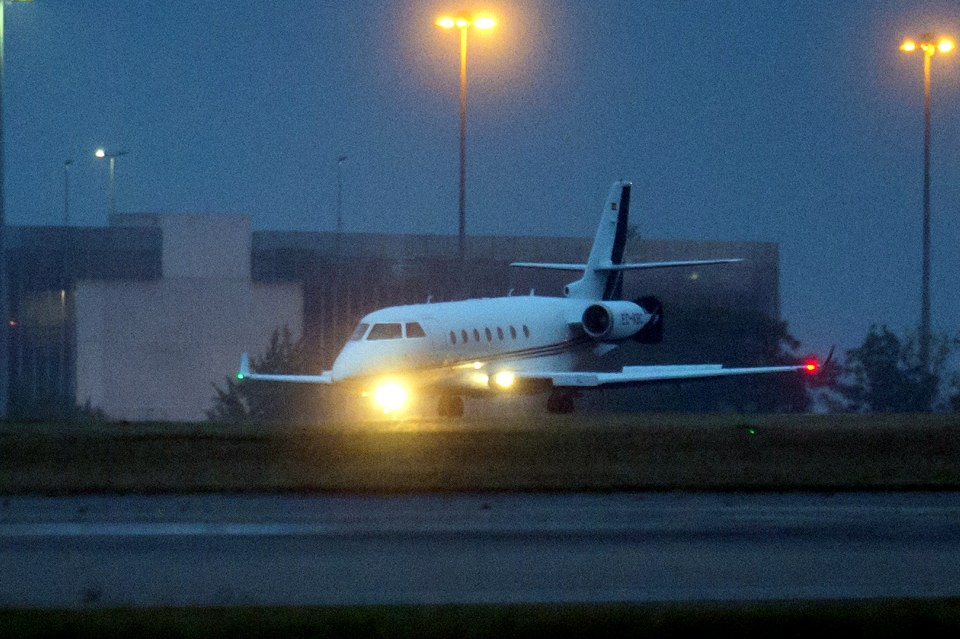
x=140, y=319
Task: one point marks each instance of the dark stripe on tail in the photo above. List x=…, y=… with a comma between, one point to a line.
x=614, y=287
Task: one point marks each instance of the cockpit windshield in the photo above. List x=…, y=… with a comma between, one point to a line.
x=415, y=330
x=386, y=331
x=359, y=332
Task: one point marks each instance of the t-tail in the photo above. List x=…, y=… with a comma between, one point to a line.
x=599, y=280
x=603, y=273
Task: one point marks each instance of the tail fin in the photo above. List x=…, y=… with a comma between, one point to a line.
x=599, y=281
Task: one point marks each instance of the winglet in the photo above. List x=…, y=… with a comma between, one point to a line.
x=244, y=367
x=829, y=356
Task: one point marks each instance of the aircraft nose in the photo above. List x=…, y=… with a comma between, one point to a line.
x=346, y=365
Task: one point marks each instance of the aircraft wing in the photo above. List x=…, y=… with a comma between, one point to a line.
x=648, y=374
x=244, y=373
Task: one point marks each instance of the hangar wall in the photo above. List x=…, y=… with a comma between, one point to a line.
x=152, y=350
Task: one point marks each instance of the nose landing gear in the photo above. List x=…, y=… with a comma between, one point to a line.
x=561, y=402
x=450, y=406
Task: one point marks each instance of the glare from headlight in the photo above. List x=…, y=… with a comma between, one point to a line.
x=504, y=379
x=390, y=396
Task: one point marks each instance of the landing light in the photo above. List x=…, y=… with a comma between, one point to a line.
x=504, y=379
x=390, y=396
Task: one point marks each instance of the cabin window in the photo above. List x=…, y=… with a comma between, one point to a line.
x=415, y=330
x=500, y=333
x=453, y=337
x=386, y=331
x=476, y=335
x=526, y=331
x=513, y=332
x=359, y=332
x=489, y=334
x=464, y=336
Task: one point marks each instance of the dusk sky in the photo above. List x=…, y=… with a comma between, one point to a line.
x=795, y=122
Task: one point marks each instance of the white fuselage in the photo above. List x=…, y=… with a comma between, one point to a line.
x=463, y=340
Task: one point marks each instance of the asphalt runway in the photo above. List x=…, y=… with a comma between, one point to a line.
x=107, y=551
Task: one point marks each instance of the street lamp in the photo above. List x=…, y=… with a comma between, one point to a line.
x=4, y=334
x=463, y=23
x=102, y=153
x=340, y=161
x=929, y=45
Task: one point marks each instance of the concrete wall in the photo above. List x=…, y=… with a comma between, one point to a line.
x=153, y=350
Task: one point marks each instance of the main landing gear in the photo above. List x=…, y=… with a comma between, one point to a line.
x=450, y=406
x=560, y=402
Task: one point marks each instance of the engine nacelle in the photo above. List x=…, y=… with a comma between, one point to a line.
x=611, y=321
x=652, y=332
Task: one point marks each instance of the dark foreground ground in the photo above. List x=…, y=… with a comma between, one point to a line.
x=875, y=619
x=598, y=453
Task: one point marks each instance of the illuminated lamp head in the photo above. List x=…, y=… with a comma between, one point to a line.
x=811, y=367
x=390, y=396
x=504, y=379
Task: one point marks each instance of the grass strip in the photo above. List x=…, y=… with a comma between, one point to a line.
x=597, y=453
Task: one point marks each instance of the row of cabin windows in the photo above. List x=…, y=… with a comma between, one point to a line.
x=398, y=330
x=388, y=330
x=464, y=337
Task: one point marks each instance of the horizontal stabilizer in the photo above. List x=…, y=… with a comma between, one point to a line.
x=624, y=267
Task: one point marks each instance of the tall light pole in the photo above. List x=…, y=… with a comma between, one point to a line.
x=66, y=191
x=338, y=249
x=4, y=301
x=463, y=23
x=102, y=153
x=929, y=45
x=340, y=161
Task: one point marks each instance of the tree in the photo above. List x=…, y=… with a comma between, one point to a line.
x=885, y=374
x=246, y=401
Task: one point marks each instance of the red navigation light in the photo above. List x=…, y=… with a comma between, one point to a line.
x=811, y=366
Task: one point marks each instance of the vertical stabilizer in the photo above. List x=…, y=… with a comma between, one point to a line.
x=598, y=281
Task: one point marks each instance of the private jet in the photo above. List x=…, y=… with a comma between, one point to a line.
x=517, y=344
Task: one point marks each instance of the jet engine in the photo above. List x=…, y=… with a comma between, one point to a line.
x=610, y=321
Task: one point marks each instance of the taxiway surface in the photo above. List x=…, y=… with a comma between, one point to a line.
x=188, y=550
